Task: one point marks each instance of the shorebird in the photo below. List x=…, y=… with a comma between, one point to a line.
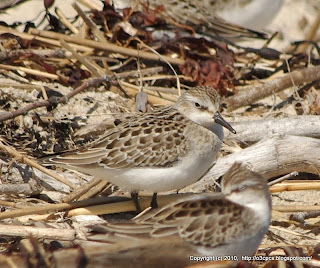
x=253, y=14
x=158, y=151
x=230, y=19
x=220, y=226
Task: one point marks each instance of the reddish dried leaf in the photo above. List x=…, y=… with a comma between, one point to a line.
x=209, y=72
x=79, y=75
x=11, y=42
x=35, y=58
x=48, y=3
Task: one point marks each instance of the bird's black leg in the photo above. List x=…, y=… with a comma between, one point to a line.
x=154, y=203
x=134, y=196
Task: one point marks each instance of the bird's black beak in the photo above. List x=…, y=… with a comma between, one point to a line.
x=220, y=120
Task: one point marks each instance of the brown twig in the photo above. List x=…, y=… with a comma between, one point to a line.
x=51, y=38
x=95, y=190
x=12, y=204
x=100, y=36
x=295, y=208
x=57, y=53
x=124, y=206
x=57, y=207
x=80, y=191
x=260, y=91
x=109, y=48
x=30, y=162
x=90, y=24
x=29, y=87
x=29, y=71
x=95, y=70
x=285, y=177
x=295, y=186
x=37, y=232
x=22, y=111
x=65, y=21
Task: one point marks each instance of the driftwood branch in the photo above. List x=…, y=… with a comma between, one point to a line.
x=27, y=189
x=250, y=130
x=37, y=232
x=24, y=110
x=271, y=157
x=56, y=53
x=247, y=97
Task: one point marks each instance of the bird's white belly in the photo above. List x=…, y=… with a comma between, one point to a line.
x=158, y=179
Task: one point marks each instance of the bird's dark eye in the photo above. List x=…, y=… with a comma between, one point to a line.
x=242, y=188
x=197, y=104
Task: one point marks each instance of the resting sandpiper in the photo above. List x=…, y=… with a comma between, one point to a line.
x=226, y=225
x=158, y=151
x=224, y=18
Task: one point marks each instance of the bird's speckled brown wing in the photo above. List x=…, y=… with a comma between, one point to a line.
x=198, y=15
x=206, y=220
x=143, y=140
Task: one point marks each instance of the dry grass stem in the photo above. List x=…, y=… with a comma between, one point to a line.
x=24, y=159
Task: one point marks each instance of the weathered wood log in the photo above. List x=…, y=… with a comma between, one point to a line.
x=253, y=130
x=37, y=232
x=26, y=189
x=260, y=91
x=275, y=156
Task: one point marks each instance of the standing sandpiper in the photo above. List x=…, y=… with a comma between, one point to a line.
x=157, y=151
